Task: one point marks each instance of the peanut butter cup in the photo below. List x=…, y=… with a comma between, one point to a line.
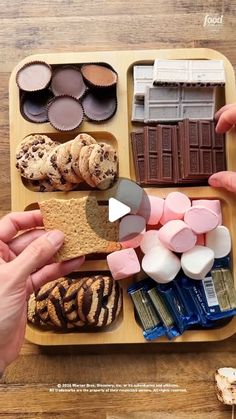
x=34, y=76
x=65, y=113
x=99, y=108
x=68, y=81
x=98, y=75
x=34, y=106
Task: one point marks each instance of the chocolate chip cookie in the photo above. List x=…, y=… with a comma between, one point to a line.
x=85, y=153
x=44, y=185
x=80, y=141
x=31, y=156
x=64, y=162
x=54, y=174
x=103, y=165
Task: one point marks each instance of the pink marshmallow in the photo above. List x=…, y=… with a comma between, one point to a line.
x=131, y=231
x=212, y=204
x=175, y=206
x=200, y=240
x=177, y=236
x=201, y=219
x=123, y=263
x=151, y=209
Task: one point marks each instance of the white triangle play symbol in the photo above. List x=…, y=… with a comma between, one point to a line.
x=117, y=209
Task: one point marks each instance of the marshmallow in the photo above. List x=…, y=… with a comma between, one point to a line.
x=150, y=240
x=151, y=209
x=212, y=204
x=161, y=264
x=177, y=236
x=200, y=239
x=123, y=263
x=129, y=193
x=201, y=219
x=219, y=241
x=197, y=262
x=176, y=203
x=131, y=231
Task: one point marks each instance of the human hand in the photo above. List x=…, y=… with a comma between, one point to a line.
x=226, y=118
x=25, y=265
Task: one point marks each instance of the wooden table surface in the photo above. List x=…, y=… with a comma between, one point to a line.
x=30, y=388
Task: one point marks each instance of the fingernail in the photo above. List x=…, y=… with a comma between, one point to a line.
x=214, y=182
x=56, y=238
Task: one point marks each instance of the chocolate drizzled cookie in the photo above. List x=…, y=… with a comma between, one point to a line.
x=55, y=303
x=70, y=303
x=42, y=300
x=99, y=300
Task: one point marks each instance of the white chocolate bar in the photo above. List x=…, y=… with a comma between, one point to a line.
x=206, y=72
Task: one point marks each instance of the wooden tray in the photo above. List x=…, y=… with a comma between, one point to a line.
x=116, y=131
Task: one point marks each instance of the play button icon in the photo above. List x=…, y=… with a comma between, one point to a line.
x=126, y=202
x=117, y=210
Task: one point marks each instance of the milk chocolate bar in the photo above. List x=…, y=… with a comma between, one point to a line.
x=160, y=149
x=202, y=150
x=152, y=160
x=167, y=143
x=137, y=141
x=187, y=153
x=164, y=104
x=189, y=72
x=143, y=75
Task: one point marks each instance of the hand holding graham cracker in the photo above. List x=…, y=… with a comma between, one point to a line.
x=76, y=218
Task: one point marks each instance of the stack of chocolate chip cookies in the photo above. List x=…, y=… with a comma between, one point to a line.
x=49, y=166
x=91, y=301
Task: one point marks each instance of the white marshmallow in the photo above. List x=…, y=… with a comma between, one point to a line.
x=197, y=262
x=150, y=240
x=219, y=241
x=161, y=264
x=129, y=193
x=131, y=230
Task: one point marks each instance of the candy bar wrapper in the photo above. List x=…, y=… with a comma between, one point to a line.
x=179, y=305
x=150, y=318
x=218, y=293
x=215, y=295
x=195, y=298
x=222, y=263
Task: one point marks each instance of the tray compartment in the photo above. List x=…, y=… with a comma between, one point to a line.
x=100, y=137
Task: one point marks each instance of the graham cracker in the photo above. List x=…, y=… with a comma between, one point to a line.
x=85, y=225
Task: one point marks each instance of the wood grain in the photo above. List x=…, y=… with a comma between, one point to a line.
x=28, y=27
